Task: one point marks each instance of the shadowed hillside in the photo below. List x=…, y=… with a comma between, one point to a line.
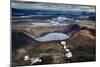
x=81, y=44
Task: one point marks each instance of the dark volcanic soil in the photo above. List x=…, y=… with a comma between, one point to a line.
x=81, y=44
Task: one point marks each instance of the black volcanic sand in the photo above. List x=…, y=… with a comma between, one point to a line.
x=82, y=45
